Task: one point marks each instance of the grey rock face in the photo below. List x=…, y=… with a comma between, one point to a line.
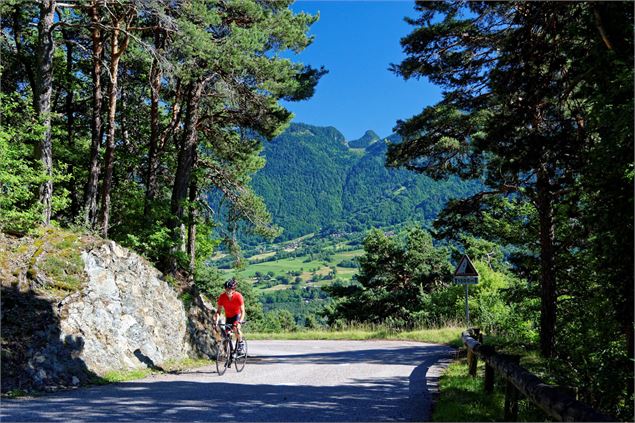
x=127, y=317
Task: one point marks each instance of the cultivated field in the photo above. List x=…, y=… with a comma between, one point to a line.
x=303, y=267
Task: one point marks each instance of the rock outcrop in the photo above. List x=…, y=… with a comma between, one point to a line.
x=123, y=316
x=127, y=314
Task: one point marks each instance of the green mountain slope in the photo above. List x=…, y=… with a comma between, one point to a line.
x=374, y=195
x=367, y=139
x=302, y=180
x=313, y=181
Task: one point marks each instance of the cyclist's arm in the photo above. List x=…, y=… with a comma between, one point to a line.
x=243, y=317
x=217, y=314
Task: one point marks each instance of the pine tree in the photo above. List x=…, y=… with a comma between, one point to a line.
x=233, y=77
x=512, y=114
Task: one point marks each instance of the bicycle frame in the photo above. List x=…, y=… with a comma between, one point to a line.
x=226, y=332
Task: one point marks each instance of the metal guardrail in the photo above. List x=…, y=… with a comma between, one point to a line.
x=553, y=401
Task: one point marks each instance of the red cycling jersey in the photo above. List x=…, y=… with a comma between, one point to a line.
x=232, y=307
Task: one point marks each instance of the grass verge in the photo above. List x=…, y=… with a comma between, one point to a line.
x=16, y=393
x=446, y=335
x=171, y=366
x=462, y=398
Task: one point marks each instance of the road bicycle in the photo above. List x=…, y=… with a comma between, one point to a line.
x=226, y=351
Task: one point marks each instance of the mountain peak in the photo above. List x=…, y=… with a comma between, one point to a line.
x=367, y=139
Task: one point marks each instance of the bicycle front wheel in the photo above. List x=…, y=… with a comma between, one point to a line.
x=223, y=355
x=241, y=359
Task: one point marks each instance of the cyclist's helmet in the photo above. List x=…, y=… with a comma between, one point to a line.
x=231, y=284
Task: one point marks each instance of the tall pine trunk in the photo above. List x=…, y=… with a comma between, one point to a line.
x=547, y=267
x=185, y=165
x=43, y=90
x=90, y=197
x=116, y=51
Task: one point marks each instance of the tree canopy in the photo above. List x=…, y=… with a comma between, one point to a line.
x=146, y=107
x=395, y=274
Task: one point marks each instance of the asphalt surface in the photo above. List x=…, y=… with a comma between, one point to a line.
x=284, y=381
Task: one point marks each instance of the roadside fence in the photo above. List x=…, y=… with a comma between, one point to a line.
x=554, y=401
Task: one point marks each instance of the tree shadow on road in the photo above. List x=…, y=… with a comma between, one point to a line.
x=367, y=400
x=404, y=355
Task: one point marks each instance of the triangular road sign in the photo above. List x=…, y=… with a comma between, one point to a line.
x=465, y=267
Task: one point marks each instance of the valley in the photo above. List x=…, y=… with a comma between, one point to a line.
x=326, y=193
x=289, y=276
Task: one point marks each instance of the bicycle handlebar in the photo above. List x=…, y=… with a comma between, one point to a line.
x=231, y=324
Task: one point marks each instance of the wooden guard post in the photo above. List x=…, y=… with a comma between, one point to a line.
x=472, y=358
x=511, y=393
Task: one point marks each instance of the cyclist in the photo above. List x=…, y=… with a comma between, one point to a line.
x=234, y=305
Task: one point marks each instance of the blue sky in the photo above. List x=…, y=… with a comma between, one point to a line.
x=356, y=41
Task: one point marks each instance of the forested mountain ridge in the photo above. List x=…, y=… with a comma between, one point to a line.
x=301, y=182
x=313, y=181
x=367, y=139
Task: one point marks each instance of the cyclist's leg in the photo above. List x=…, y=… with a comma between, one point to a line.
x=239, y=333
x=240, y=344
x=241, y=357
x=236, y=326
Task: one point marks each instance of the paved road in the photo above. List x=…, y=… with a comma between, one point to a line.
x=285, y=381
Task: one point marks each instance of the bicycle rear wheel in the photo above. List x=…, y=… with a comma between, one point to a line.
x=223, y=355
x=241, y=359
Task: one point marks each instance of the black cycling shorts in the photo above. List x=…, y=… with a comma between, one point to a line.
x=232, y=320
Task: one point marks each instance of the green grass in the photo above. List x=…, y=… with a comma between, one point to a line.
x=57, y=255
x=347, y=255
x=114, y=376
x=462, y=398
x=445, y=335
x=170, y=366
x=297, y=264
x=16, y=393
x=282, y=266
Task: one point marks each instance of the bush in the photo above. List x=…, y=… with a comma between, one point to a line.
x=276, y=321
x=21, y=175
x=350, y=264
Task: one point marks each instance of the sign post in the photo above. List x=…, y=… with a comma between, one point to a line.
x=466, y=274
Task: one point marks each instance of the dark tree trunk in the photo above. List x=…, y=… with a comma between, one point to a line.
x=90, y=197
x=191, y=233
x=153, y=154
x=70, y=115
x=547, y=270
x=109, y=156
x=185, y=165
x=42, y=92
x=129, y=147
